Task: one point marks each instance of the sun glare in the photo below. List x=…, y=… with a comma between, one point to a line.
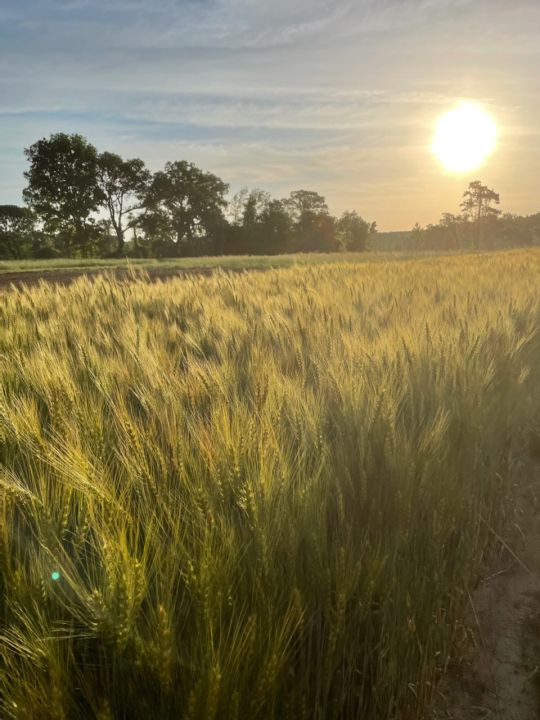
x=465, y=137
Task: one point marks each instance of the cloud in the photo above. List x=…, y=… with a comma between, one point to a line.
x=336, y=93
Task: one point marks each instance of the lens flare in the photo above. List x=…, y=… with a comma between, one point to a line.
x=464, y=138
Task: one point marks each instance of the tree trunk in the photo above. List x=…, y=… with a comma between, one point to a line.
x=119, y=242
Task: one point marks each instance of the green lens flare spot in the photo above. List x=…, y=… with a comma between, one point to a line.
x=55, y=575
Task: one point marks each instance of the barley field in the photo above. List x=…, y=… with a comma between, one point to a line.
x=256, y=496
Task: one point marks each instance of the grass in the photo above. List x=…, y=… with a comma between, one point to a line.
x=225, y=262
x=256, y=496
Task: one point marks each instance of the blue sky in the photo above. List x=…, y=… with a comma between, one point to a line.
x=340, y=97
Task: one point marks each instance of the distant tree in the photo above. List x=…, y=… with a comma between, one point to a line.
x=124, y=184
x=352, y=231
x=256, y=202
x=455, y=232
x=185, y=206
x=16, y=231
x=477, y=200
x=247, y=205
x=313, y=226
x=260, y=225
x=477, y=206
x=63, y=189
x=417, y=237
x=275, y=228
x=517, y=231
x=305, y=202
x=157, y=238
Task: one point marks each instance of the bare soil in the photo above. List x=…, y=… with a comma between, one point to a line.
x=67, y=276
x=499, y=677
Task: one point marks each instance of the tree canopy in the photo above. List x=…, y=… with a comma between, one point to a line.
x=63, y=188
x=186, y=205
x=16, y=231
x=479, y=226
x=83, y=202
x=80, y=202
x=124, y=185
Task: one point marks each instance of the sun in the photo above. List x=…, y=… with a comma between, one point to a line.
x=464, y=138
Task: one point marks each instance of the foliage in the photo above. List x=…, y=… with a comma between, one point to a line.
x=260, y=225
x=312, y=225
x=480, y=226
x=124, y=184
x=16, y=231
x=88, y=202
x=63, y=190
x=100, y=205
x=477, y=201
x=264, y=495
x=477, y=205
x=353, y=232
x=185, y=205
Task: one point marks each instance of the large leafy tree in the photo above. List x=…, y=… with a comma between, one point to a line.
x=124, y=184
x=16, y=231
x=185, y=204
x=63, y=189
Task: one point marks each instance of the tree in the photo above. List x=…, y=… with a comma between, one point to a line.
x=305, y=202
x=256, y=202
x=260, y=225
x=454, y=231
x=186, y=205
x=63, y=188
x=247, y=206
x=417, y=237
x=16, y=231
x=477, y=206
x=352, y=231
x=516, y=231
x=157, y=239
x=313, y=226
x=124, y=184
x=274, y=228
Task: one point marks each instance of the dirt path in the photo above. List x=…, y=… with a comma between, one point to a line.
x=500, y=678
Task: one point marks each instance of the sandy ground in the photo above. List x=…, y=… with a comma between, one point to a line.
x=500, y=676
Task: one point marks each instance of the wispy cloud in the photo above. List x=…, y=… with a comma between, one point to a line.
x=336, y=94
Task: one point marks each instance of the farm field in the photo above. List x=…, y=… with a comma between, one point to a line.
x=241, y=262
x=257, y=495
x=65, y=270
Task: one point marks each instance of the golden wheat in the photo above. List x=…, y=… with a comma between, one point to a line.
x=259, y=496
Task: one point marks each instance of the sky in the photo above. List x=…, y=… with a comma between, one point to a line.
x=340, y=97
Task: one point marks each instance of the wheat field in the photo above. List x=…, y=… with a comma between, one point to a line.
x=259, y=496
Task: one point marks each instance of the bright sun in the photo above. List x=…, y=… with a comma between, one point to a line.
x=465, y=137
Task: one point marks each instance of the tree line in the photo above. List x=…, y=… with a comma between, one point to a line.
x=480, y=225
x=82, y=203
